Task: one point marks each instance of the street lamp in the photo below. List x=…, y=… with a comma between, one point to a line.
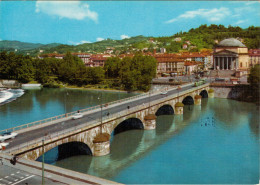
x=101, y=113
x=65, y=102
x=43, y=162
x=149, y=103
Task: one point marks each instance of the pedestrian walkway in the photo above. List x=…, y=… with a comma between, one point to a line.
x=11, y=176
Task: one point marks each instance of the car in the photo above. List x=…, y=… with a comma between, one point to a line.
x=77, y=116
x=220, y=79
x=164, y=92
x=7, y=135
x=3, y=145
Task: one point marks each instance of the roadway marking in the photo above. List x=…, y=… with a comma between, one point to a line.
x=23, y=179
x=5, y=181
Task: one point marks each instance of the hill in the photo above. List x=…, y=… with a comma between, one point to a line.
x=23, y=47
x=194, y=40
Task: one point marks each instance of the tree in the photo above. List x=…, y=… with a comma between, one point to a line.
x=254, y=81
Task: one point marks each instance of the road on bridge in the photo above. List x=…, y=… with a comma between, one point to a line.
x=63, y=125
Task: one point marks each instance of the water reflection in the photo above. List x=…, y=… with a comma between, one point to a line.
x=254, y=122
x=199, y=125
x=230, y=113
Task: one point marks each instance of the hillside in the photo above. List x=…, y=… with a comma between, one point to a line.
x=194, y=40
x=24, y=47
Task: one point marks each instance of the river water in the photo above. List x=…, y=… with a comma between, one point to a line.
x=215, y=143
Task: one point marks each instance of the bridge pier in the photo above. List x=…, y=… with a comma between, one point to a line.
x=211, y=93
x=101, y=144
x=197, y=100
x=149, y=122
x=179, y=108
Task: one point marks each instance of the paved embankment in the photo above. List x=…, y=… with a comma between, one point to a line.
x=52, y=173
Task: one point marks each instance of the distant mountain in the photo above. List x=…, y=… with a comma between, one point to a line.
x=6, y=44
x=24, y=46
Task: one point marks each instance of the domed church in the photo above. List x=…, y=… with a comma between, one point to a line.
x=230, y=54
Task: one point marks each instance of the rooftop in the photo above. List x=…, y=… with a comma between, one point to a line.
x=231, y=42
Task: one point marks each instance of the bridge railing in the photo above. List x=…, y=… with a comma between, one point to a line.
x=54, y=118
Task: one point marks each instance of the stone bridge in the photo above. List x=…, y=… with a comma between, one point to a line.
x=94, y=138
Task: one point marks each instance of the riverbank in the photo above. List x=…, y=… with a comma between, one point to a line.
x=101, y=89
x=241, y=93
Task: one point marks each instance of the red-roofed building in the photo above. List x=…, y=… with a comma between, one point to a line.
x=97, y=60
x=85, y=57
x=190, y=67
x=169, y=63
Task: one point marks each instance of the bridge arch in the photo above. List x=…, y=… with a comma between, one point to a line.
x=166, y=109
x=128, y=124
x=188, y=100
x=204, y=94
x=66, y=150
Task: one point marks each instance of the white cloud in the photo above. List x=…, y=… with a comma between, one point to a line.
x=77, y=43
x=100, y=39
x=240, y=22
x=67, y=9
x=213, y=15
x=124, y=36
x=251, y=2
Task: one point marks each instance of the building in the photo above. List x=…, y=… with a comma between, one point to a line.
x=190, y=67
x=97, y=60
x=254, y=57
x=177, y=39
x=231, y=54
x=109, y=50
x=169, y=64
x=85, y=57
x=184, y=46
x=162, y=50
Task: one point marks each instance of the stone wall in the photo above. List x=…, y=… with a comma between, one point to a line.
x=235, y=92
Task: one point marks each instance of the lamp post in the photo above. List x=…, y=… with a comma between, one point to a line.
x=100, y=113
x=43, y=162
x=149, y=102
x=65, y=102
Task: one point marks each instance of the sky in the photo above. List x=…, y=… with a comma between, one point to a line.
x=77, y=22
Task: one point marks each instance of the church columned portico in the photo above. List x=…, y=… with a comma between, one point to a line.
x=230, y=54
x=225, y=62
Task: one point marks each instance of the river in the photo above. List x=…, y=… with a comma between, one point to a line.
x=215, y=143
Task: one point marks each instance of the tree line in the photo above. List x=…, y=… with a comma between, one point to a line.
x=205, y=37
x=129, y=73
x=133, y=73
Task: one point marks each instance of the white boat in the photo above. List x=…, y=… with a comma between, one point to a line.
x=31, y=86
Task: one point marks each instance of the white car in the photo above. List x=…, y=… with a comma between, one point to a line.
x=164, y=92
x=7, y=135
x=77, y=116
x=3, y=145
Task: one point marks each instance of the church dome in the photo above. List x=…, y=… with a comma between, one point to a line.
x=231, y=42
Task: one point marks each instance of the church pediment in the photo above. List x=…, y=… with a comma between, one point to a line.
x=225, y=52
